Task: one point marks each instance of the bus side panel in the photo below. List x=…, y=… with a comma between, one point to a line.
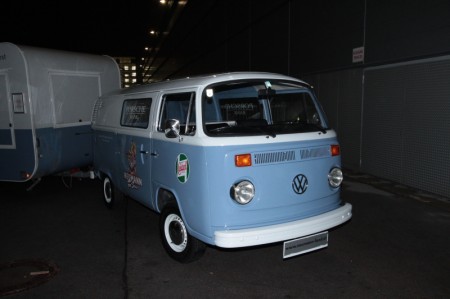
x=134, y=165
x=106, y=153
x=181, y=169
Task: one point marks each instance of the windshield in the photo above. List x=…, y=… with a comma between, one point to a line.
x=263, y=107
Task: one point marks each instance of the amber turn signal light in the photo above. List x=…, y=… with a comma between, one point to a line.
x=335, y=150
x=243, y=160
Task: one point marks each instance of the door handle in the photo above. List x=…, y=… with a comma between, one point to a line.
x=144, y=152
x=154, y=154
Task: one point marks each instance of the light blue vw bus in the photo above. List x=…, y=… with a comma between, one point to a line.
x=231, y=160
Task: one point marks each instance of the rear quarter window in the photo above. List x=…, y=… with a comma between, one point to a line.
x=135, y=113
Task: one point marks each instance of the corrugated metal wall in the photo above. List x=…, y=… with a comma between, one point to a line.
x=393, y=120
x=405, y=124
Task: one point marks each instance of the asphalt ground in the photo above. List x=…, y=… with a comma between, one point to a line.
x=60, y=241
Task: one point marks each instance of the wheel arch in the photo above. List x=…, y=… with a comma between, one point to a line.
x=174, y=232
x=166, y=198
x=101, y=174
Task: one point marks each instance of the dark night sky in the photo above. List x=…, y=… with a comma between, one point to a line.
x=99, y=27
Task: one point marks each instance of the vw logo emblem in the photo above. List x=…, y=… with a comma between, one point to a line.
x=300, y=184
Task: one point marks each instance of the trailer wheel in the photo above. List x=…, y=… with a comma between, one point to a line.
x=175, y=238
x=110, y=193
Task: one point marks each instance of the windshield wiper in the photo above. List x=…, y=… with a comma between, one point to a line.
x=317, y=126
x=301, y=123
x=267, y=131
x=260, y=124
x=220, y=129
x=320, y=128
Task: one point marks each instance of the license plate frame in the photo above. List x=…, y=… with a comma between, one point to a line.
x=306, y=244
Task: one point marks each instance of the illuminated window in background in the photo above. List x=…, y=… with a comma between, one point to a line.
x=133, y=81
x=133, y=68
x=133, y=74
x=127, y=80
x=126, y=75
x=126, y=67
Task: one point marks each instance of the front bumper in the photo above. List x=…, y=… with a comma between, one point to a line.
x=282, y=232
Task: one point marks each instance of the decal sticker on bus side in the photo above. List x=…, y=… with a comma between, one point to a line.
x=131, y=176
x=182, y=168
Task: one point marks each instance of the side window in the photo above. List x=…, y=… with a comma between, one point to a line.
x=135, y=113
x=180, y=106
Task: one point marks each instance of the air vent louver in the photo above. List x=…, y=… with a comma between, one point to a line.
x=274, y=157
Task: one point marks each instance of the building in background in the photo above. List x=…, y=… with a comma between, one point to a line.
x=133, y=71
x=128, y=71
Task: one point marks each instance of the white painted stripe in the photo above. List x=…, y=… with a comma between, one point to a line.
x=198, y=140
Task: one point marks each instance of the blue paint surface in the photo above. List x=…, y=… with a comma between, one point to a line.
x=5, y=137
x=18, y=160
x=58, y=149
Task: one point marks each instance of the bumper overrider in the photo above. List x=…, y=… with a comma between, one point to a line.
x=284, y=231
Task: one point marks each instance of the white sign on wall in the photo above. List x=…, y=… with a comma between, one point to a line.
x=358, y=55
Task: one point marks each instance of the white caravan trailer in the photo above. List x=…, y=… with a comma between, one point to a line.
x=46, y=101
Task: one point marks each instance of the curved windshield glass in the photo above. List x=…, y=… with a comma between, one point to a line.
x=263, y=107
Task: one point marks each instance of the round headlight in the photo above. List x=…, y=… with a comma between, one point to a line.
x=335, y=177
x=243, y=192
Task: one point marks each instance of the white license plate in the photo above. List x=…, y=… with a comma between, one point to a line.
x=306, y=244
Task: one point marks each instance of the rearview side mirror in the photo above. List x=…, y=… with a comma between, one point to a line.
x=172, y=128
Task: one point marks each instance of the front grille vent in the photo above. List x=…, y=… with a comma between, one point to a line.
x=311, y=153
x=274, y=157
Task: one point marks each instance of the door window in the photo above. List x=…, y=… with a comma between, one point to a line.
x=179, y=106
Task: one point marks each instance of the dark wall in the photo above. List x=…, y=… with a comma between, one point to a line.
x=324, y=34
x=403, y=30
x=298, y=37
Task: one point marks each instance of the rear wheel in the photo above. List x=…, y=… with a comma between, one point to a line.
x=175, y=238
x=110, y=192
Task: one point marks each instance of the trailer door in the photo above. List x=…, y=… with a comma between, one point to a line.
x=17, y=147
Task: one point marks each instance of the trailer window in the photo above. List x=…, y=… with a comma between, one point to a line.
x=135, y=113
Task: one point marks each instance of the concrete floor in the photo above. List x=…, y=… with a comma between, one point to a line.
x=396, y=246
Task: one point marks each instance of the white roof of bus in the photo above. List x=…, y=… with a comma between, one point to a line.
x=204, y=80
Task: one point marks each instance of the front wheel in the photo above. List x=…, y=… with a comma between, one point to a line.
x=110, y=193
x=175, y=238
